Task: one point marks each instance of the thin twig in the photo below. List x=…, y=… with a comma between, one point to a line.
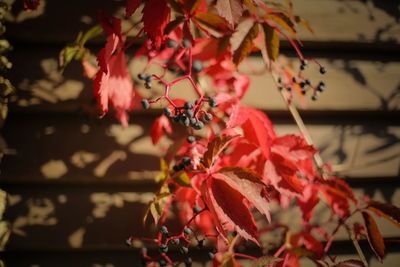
x=357, y=246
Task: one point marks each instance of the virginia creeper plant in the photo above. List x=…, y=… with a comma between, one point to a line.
x=225, y=165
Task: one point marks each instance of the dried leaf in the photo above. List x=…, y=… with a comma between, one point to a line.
x=374, y=236
x=282, y=20
x=213, y=23
x=386, y=210
x=242, y=40
x=231, y=10
x=266, y=261
x=271, y=41
x=215, y=147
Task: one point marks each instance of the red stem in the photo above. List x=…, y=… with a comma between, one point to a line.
x=134, y=39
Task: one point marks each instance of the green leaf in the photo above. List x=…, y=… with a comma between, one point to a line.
x=266, y=261
x=242, y=40
x=67, y=55
x=213, y=23
x=271, y=41
x=374, y=236
x=90, y=34
x=182, y=179
x=388, y=211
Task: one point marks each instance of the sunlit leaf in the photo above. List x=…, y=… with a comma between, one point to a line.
x=213, y=23
x=266, y=261
x=231, y=10
x=215, y=147
x=229, y=262
x=242, y=40
x=386, y=210
x=182, y=179
x=283, y=21
x=91, y=33
x=374, y=236
x=271, y=41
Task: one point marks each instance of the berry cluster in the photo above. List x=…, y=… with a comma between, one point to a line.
x=166, y=238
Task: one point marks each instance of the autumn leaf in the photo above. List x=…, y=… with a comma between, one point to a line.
x=282, y=173
x=350, y=263
x=259, y=130
x=160, y=124
x=131, y=6
x=266, y=261
x=388, y=211
x=242, y=40
x=231, y=10
x=249, y=184
x=229, y=262
x=308, y=201
x=293, y=147
x=228, y=206
x=192, y=5
x=213, y=23
x=215, y=147
x=237, y=117
x=374, y=236
x=182, y=179
x=281, y=20
x=156, y=14
x=271, y=41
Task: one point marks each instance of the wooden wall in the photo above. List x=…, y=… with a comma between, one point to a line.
x=79, y=185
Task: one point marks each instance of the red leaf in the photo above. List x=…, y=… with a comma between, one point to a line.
x=231, y=10
x=350, y=263
x=131, y=6
x=312, y=243
x=241, y=84
x=31, y=5
x=229, y=206
x=215, y=147
x=115, y=85
x=242, y=40
x=337, y=193
x=110, y=25
x=386, y=210
x=339, y=187
x=258, y=129
x=237, y=117
x=205, y=48
x=308, y=201
x=89, y=71
x=156, y=14
x=249, y=184
x=282, y=173
x=160, y=124
x=374, y=236
x=293, y=147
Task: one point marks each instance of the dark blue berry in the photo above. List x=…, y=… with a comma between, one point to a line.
x=189, y=113
x=196, y=209
x=289, y=88
x=185, y=121
x=303, y=92
x=280, y=80
x=167, y=112
x=320, y=88
x=210, y=255
x=142, y=76
x=197, y=66
x=304, y=62
x=163, y=229
x=314, y=97
x=145, y=104
x=175, y=119
x=322, y=70
x=190, y=139
x=176, y=241
x=302, y=67
x=193, y=121
x=234, y=233
x=308, y=81
x=162, y=263
x=186, y=161
x=322, y=83
x=172, y=43
x=188, y=105
x=294, y=80
x=147, y=85
x=187, y=231
x=186, y=43
x=302, y=84
x=208, y=117
x=184, y=250
x=198, y=125
x=163, y=248
x=212, y=102
x=149, y=78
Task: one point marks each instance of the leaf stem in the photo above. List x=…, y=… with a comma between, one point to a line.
x=357, y=246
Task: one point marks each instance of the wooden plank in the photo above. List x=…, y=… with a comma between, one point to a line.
x=364, y=22
x=74, y=149
x=352, y=84
x=63, y=219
